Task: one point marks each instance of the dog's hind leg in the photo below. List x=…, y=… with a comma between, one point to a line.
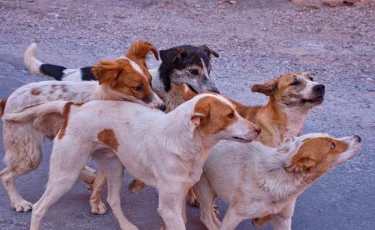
x=23, y=154
x=97, y=206
x=207, y=197
x=231, y=219
x=114, y=171
x=67, y=161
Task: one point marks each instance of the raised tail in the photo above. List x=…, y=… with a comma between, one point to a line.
x=38, y=111
x=37, y=67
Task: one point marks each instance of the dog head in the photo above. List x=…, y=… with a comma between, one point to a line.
x=215, y=115
x=128, y=77
x=293, y=90
x=316, y=154
x=187, y=65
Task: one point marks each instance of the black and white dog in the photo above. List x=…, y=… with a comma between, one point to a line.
x=184, y=64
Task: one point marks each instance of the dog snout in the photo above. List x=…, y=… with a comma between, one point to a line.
x=357, y=138
x=258, y=130
x=320, y=88
x=162, y=107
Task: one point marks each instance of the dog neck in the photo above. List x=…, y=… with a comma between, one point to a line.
x=181, y=137
x=273, y=179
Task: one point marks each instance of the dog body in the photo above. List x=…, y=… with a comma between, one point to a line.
x=180, y=65
x=259, y=181
x=184, y=64
x=170, y=158
x=122, y=79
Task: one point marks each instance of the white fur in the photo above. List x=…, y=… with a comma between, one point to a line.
x=252, y=180
x=167, y=154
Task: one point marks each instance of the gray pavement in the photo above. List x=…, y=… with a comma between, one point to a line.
x=257, y=40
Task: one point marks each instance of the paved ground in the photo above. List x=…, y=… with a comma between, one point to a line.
x=257, y=40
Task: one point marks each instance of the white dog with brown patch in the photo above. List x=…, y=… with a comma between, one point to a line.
x=124, y=79
x=166, y=151
x=260, y=182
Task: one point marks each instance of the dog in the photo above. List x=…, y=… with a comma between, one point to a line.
x=124, y=79
x=165, y=150
x=259, y=181
x=291, y=97
x=180, y=65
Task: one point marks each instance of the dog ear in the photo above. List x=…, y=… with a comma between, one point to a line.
x=171, y=56
x=209, y=51
x=140, y=49
x=107, y=72
x=301, y=165
x=196, y=118
x=267, y=88
x=187, y=93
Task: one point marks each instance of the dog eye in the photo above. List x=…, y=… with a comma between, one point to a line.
x=333, y=145
x=194, y=71
x=138, y=88
x=295, y=83
x=230, y=116
x=311, y=79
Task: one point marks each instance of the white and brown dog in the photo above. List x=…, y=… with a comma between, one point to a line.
x=169, y=158
x=124, y=79
x=260, y=182
x=186, y=64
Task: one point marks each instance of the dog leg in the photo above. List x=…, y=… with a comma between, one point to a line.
x=259, y=222
x=65, y=167
x=23, y=154
x=97, y=206
x=231, y=220
x=193, y=201
x=8, y=178
x=207, y=198
x=283, y=220
x=87, y=176
x=171, y=205
x=114, y=171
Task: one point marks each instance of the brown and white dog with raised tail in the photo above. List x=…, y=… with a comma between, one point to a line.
x=126, y=79
x=168, y=154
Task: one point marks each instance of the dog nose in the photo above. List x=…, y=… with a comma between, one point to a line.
x=258, y=130
x=162, y=107
x=357, y=138
x=319, y=88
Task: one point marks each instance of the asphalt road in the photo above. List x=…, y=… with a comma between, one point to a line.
x=257, y=40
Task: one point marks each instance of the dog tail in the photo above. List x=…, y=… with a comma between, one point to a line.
x=37, y=67
x=3, y=102
x=37, y=111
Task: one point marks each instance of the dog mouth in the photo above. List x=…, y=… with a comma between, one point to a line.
x=315, y=100
x=242, y=140
x=192, y=89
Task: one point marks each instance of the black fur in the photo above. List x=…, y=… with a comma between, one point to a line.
x=53, y=71
x=87, y=74
x=181, y=57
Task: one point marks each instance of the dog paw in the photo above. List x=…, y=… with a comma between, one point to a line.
x=22, y=206
x=193, y=201
x=99, y=209
x=216, y=210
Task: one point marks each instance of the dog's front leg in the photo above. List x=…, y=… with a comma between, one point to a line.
x=171, y=204
x=114, y=171
x=283, y=220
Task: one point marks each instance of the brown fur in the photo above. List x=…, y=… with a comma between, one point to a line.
x=3, y=102
x=212, y=109
x=121, y=77
x=66, y=119
x=35, y=92
x=108, y=137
